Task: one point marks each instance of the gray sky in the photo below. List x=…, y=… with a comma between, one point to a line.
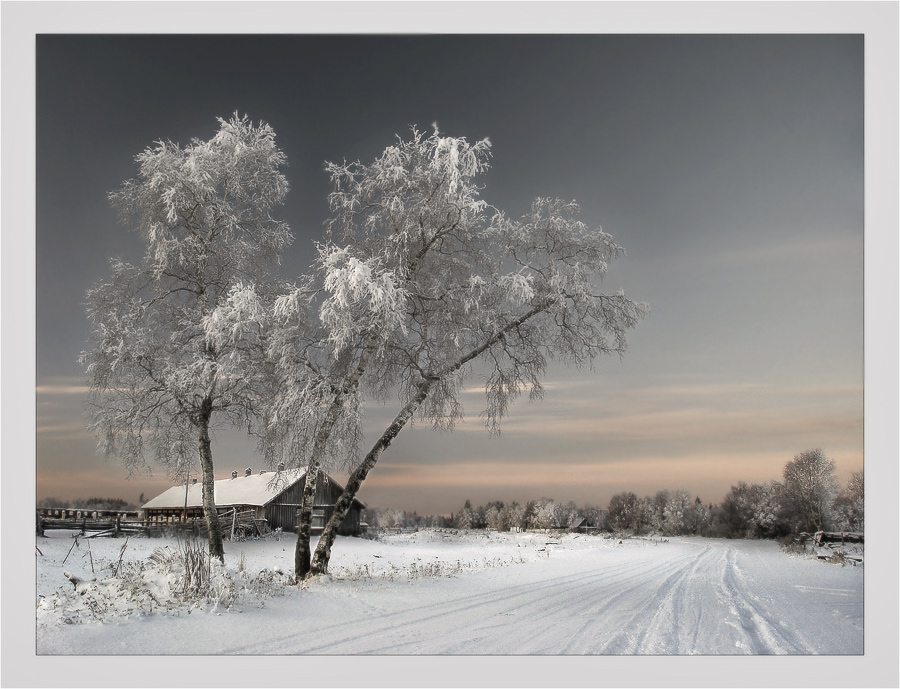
x=730, y=167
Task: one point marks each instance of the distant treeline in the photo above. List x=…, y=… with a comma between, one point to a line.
x=807, y=499
x=96, y=504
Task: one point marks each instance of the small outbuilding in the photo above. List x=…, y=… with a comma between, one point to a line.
x=273, y=496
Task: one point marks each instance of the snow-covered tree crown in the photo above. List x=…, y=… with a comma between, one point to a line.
x=207, y=205
x=180, y=336
x=417, y=191
x=425, y=276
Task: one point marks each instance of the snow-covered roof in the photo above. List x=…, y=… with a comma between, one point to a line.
x=256, y=489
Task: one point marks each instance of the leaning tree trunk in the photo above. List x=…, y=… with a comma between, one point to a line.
x=216, y=547
x=343, y=504
x=304, y=528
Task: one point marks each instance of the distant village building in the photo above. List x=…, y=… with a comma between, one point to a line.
x=274, y=496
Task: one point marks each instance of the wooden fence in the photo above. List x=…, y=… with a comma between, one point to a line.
x=822, y=537
x=232, y=524
x=97, y=527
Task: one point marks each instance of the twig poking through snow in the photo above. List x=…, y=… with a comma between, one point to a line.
x=91, y=556
x=70, y=550
x=121, y=553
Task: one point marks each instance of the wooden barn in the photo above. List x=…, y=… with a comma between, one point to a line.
x=273, y=496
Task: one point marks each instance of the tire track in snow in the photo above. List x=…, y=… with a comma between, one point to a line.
x=758, y=631
x=494, y=610
x=575, y=613
x=694, y=598
x=546, y=609
x=670, y=614
x=539, y=602
x=632, y=601
x=679, y=614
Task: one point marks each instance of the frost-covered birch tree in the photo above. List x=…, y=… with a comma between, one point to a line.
x=754, y=510
x=809, y=490
x=177, y=344
x=424, y=285
x=676, y=512
x=850, y=505
x=547, y=514
x=626, y=511
x=312, y=420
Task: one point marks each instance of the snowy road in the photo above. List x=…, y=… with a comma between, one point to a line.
x=593, y=596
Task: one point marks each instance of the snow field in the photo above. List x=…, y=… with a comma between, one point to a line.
x=477, y=593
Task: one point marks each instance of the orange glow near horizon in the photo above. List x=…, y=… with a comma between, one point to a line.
x=574, y=444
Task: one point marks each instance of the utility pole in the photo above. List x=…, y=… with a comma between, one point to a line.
x=187, y=485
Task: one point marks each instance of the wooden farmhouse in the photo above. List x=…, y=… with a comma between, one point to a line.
x=273, y=496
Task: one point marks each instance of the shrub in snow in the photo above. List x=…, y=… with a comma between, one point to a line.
x=838, y=558
x=170, y=580
x=794, y=546
x=422, y=570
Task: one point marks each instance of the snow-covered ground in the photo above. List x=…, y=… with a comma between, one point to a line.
x=436, y=592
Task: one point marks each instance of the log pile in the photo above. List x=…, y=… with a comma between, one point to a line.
x=839, y=546
x=823, y=537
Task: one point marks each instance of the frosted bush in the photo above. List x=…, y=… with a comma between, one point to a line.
x=170, y=581
x=425, y=570
x=838, y=558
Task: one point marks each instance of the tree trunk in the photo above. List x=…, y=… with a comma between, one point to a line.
x=342, y=507
x=304, y=527
x=343, y=504
x=216, y=547
x=322, y=555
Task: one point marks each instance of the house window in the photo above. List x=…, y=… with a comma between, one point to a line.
x=318, y=518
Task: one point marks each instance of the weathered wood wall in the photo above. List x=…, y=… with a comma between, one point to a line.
x=282, y=512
